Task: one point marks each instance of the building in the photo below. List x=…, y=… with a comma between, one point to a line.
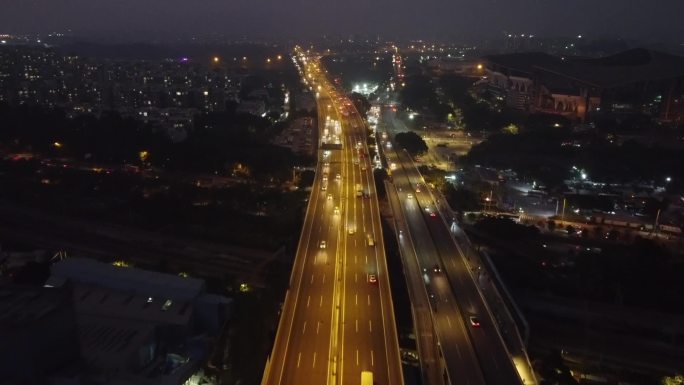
x=636, y=81
x=38, y=333
x=95, y=323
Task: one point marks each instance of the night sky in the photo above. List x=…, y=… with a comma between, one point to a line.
x=645, y=19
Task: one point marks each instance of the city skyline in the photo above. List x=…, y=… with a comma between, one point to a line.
x=461, y=19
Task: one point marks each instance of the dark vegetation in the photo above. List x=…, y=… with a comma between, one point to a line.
x=411, y=142
x=641, y=274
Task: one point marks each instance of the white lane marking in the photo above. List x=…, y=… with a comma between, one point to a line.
x=366, y=258
x=314, y=361
x=368, y=299
x=356, y=299
x=304, y=328
x=355, y=257
x=308, y=299
x=371, y=358
x=370, y=326
x=448, y=321
x=312, y=279
x=321, y=304
x=318, y=326
x=356, y=277
x=299, y=358
x=357, y=357
x=324, y=278
x=357, y=325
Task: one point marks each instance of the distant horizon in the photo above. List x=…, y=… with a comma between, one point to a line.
x=149, y=38
x=465, y=20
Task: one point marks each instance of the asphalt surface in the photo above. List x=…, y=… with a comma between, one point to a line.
x=335, y=321
x=473, y=355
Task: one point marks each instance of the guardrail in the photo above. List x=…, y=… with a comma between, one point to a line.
x=491, y=289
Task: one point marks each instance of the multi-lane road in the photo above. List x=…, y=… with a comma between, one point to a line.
x=473, y=354
x=337, y=318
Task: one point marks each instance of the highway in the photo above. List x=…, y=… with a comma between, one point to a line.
x=337, y=318
x=473, y=355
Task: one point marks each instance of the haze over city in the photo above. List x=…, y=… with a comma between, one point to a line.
x=442, y=19
x=323, y=192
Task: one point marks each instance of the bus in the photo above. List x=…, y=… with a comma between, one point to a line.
x=366, y=378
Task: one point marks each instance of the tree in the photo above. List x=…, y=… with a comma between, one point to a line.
x=412, y=142
x=674, y=380
x=598, y=232
x=511, y=129
x=461, y=199
x=613, y=235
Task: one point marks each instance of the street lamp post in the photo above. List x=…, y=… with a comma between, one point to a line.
x=563, y=212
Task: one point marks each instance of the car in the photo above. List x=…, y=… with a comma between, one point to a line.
x=418, y=189
x=372, y=278
x=351, y=230
x=337, y=210
x=436, y=268
x=409, y=196
x=474, y=321
x=325, y=178
x=363, y=168
x=432, y=214
x=338, y=176
x=329, y=197
x=324, y=187
x=323, y=245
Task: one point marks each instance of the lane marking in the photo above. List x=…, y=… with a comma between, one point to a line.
x=308, y=299
x=448, y=320
x=324, y=278
x=357, y=357
x=299, y=358
x=368, y=299
x=356, y=299
x=370, y=326
x=356, y=277
x=304, y=328
x=312, y=279
x=357, y=325
x=314, y=361
x=372, y=363
x=318, y=326
x=321, y=304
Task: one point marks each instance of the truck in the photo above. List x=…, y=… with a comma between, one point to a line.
x=359, y=190
x=366, y=378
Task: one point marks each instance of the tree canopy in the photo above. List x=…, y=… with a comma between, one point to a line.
x=412, y=142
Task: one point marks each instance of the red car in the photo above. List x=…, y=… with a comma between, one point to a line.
x=372, y=278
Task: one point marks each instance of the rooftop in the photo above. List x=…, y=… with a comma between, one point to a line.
x=632, y=66
x=147, y=283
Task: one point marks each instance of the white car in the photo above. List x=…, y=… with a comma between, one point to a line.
x=323, y=245
x=409, y=196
